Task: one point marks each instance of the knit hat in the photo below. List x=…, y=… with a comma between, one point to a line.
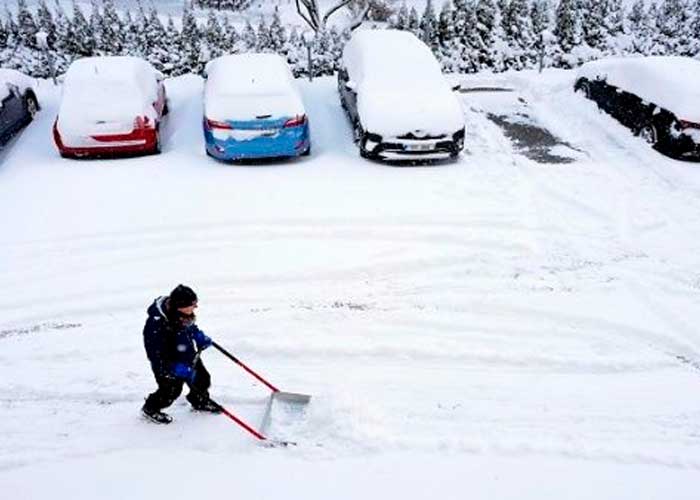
x=182, y=296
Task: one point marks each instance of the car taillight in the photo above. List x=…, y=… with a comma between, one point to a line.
x=217, y=124
x=295, y=122
x=142, y=122
x=687, y=124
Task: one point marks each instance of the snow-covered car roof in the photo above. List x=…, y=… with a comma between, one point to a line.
x=667, y=81
x=107, y=89
x=400, y=84
x=243, y=86
x=22, y=81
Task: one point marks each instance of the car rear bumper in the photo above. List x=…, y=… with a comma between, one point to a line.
x=137, y=142
x=287, y=142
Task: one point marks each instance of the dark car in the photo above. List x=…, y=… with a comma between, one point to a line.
x=18, y=103
x=657, y=98
x=397, y=99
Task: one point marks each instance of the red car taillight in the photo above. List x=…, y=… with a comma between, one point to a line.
x=142, y=122
x=295, y=122
x=687, y=124
x=219, y=125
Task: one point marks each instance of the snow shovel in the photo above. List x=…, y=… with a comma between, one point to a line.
x=296, y=403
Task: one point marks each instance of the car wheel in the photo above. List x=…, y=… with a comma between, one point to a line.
x=31, y=105
x=649, y=133
x=585, y=88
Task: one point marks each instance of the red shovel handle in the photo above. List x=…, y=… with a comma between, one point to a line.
x=243, y=365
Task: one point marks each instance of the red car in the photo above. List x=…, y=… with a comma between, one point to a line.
x=111, y=106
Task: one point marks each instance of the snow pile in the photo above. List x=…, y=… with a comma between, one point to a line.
x=669, y=82
x=13, y=77
x=400, y=85
x=106, y=94
x=246, y=86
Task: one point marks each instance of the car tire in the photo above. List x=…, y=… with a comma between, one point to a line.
x=31, y=105
x=649, y=133
x=585, y=88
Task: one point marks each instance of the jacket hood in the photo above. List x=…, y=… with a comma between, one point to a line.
x=156, y=310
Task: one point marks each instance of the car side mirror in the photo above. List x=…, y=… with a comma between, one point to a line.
x=160, y=76
x=351, y=86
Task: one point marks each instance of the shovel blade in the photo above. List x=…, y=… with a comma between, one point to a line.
x=292, y=400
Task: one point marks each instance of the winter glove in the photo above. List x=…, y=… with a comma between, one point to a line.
x=183, y=372
x=202, y=340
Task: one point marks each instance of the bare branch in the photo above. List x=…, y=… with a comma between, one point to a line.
x=359, y=19
x=308, y=15
x=333, y=10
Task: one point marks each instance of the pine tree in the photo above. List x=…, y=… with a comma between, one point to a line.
x=213, y=36
x=95, y=22
x=520, y=35
x=414, y=22
x=487, y=20
x=695, y=29
x=250, y=37
x=230, y=37
x=640, y=29
x=27, y=28
x=674, y=27
x=593, y=22
x=278, y=35
x=111, y=34
x=46, y=23
x=539, y=14
x=400, y=21
x=567, y=26
x=4, y=35
x=82, y=42
x=263, y=37
x=190, y=44
x=429, y=27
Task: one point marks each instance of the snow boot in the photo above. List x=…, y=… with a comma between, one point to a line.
x=208, y=405
x=156, y=416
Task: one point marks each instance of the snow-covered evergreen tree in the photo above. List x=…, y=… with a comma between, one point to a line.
x=213, y=38
x=45, y=23
x=26, y=25
x=429, y=27
x=640, y=30
x=111, y=35
x=540, y=16
x=400, y=20
x=83, y=42
x=414, y=22
x=695, y=29
x=250, y=37
x=567, y=29
x=519, y=35
x=263, y=36
x=674, y=33
x=278, y=34
x=190, y=44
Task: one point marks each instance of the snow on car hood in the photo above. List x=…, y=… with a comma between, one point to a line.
x=13, y=77
x=669, y=82
x=431, y=110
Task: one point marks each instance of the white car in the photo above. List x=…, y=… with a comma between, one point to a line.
x=398, y=101
x=110, y=106
x=253, y=109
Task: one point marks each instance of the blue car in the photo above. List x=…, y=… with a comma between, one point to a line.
x=18, y=103
x=252, y=109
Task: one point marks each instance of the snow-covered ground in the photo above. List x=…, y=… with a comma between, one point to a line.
x=494, y=328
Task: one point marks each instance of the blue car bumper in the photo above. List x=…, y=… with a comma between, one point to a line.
x=233, y=145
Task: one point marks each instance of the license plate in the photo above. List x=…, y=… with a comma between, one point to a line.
x=428, y=146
